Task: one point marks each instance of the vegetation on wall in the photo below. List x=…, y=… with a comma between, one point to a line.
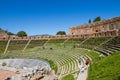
x=97, y=19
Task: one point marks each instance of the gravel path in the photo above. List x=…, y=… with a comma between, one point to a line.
x=83, y=69
x=83, y=75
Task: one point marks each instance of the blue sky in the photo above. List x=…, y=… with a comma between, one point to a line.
x=49, y=16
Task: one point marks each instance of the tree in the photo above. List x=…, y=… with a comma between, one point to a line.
x=61, y=33
x=10, y=33
x=89, y=21
x=21, y=33
x=6, y=31
x=97, y=19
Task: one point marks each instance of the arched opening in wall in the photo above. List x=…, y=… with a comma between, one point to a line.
x=73, y=36
x=4, y=38
x=14, y=38
x=82, y=36
x=110, y=34
x=114, y=33
x=76, y=36
x=119, y=32
x=111, y=26
x=41, y=36
x=96, y=31
x=105, y=34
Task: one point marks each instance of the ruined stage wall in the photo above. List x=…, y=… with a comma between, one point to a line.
x=104, y=28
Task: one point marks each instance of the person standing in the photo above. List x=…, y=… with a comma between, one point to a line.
x=87, y=62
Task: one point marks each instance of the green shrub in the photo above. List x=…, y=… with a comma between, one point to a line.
x=4, y=64
x=52, y=64
x=17, y=72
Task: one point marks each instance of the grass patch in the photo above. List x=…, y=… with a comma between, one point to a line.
x=106, y=69
x=4, y=64
x=52, y=64
x=64, y=54
x=68, y=77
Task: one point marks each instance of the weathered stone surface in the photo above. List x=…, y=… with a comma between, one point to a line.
x=20, y=69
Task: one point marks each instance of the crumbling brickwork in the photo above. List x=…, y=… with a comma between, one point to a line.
x=110, y=27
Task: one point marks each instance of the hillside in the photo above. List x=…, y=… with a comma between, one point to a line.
x=108, y=68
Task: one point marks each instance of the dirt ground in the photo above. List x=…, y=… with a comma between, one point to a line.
x=4, y=74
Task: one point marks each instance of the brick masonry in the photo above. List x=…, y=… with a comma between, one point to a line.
x=109, y=27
